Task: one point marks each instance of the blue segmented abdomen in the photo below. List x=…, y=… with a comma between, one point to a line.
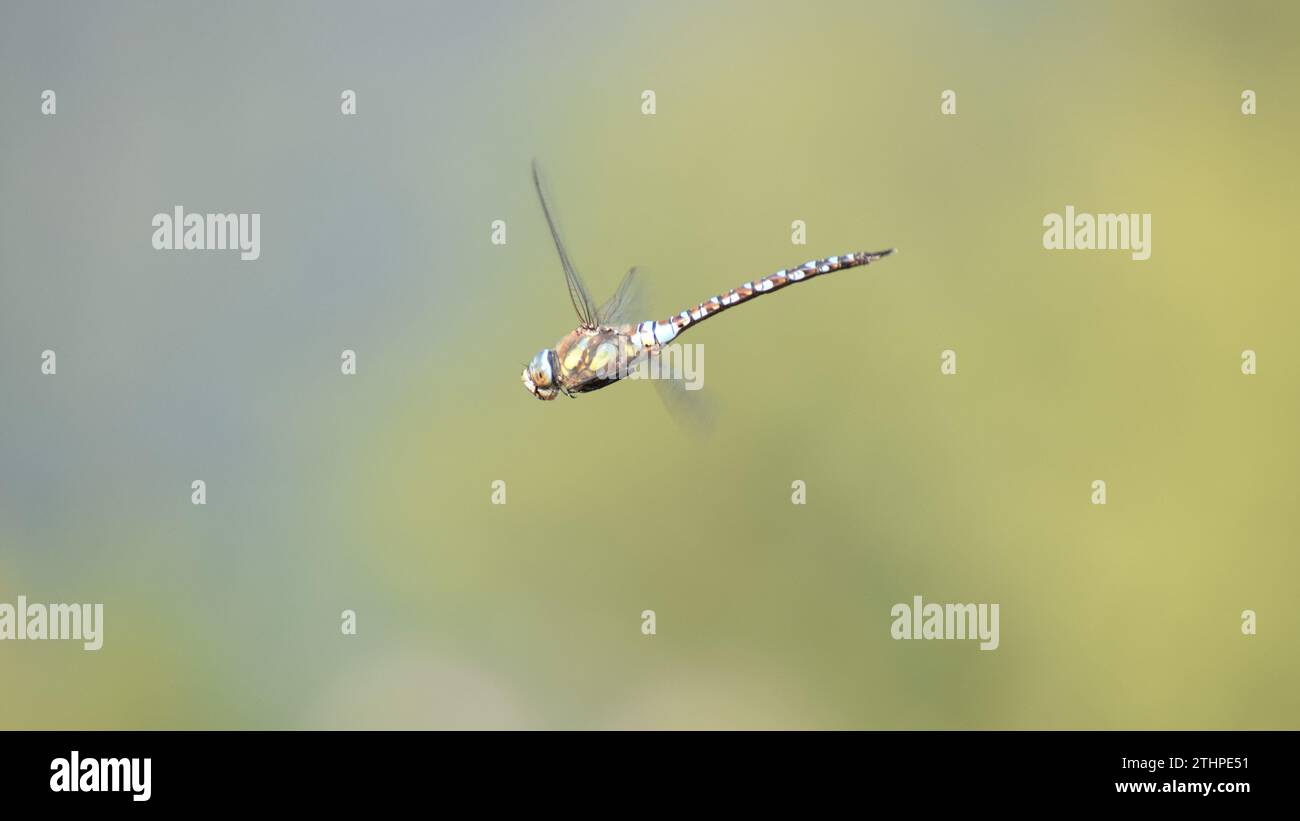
x=653, y=335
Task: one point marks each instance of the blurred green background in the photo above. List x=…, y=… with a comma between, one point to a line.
x=372, y=492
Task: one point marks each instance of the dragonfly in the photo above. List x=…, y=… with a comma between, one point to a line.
x=605, y=347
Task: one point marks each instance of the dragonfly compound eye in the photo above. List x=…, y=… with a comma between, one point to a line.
x=541, y=370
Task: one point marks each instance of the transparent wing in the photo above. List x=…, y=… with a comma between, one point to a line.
x=628, y=304
x=582, y=303
x=694, y=413
x=680, y=373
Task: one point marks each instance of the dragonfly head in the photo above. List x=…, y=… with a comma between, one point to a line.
x=541, y=374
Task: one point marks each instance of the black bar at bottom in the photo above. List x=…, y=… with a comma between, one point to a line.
x=237, y=769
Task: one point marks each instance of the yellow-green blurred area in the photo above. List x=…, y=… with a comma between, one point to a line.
x=373, y=492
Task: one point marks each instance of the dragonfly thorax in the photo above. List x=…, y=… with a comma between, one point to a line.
x=541, y=375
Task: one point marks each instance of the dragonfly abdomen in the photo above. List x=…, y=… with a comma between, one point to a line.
x=653, y=335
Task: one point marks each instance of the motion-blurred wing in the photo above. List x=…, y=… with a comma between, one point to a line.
x=694, y=413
